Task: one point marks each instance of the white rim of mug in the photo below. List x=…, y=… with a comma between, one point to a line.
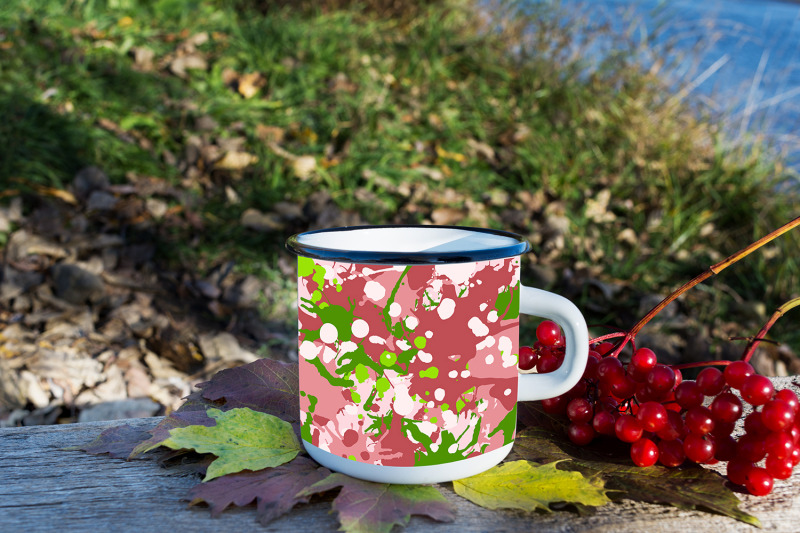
x=518, y=247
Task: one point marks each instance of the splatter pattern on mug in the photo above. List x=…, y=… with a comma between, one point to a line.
x=408, y=365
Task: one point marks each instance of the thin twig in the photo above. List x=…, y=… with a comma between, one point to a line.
x=753, y=344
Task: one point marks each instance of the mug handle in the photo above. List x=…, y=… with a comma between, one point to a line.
x=557, y=308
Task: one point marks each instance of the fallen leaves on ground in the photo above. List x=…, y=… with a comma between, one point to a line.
x=530, y=487
x=369, y=507
x=689, y=487
x=242, y=439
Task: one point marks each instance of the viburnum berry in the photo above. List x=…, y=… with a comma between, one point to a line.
x=628, y=429
x=580, y=434
x=737, y=470
x=688, y=394
x=777, y=415
x=726, y=407
x=642, y=361
x=661, y=379
x=644, y=452
x=699, y=448
x=548, y=362
x=758, y=481
x=788, y=396
x=652, y=416
x=580, y=410
x=750, y=448
x=527, y=358
x=779, y=468
x=736, y=372
x=603, y=422
x=699, y=420
x=548, y=333
x=670, y=453
x=778, y=444
x=710, y=381
x=609, y=368
x=757, y=389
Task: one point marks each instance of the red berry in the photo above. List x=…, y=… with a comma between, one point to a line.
x=527, y=358
x=555, y=406
x=699, y=448
x=779, y=445
x=642, y=361
x=711, y=381
x=590, y=372
x=580, y=434
x=661, y=379
x=736, y=372
x=726, y=407
x=604, y=348
x=652, y=416
x=757, y=389
x=623, y=386
x=628, y=429
x=777, y=415
x=754, y=425
x=603, y=422
x=670, y=453
x=644, y=452
x=699, y=420
x=548, y=362
x=688, y=394
x=758, y=481
x=726, y=447
x=788, y=396
x=580, y=410
x=750, y=448
x=795, y=457
x=779, y=468
x=609, y=368
x=737, y=470
x=674, y=428
x=548, y=333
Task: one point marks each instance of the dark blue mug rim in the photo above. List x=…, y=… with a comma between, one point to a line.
x=519, y=247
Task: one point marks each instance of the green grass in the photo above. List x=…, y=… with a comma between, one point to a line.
x=420, y=91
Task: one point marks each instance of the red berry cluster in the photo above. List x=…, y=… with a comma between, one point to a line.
x=670, y=421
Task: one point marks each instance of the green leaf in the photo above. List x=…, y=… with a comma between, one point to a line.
x=366, y=507
x=686, y=488
x=242, y=439
x=526, y=486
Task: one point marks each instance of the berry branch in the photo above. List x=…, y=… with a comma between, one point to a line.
x=668, y=420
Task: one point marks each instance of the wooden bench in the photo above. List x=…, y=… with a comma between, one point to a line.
x=43, y=488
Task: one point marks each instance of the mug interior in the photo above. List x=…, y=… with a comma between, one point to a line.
x=407, y=244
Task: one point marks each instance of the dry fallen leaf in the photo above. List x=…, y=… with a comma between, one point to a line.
x=250, y=83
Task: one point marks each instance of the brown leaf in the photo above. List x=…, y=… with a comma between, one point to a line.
x=181, y=64
x=249, y=84
x=275, y=490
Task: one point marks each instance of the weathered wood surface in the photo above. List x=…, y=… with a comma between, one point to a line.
x=43, y=488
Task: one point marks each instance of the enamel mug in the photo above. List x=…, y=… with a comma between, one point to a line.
x=408, y=347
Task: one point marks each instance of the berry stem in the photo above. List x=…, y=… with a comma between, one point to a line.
x=712, y=271
x=700, y=364
x=779, y=312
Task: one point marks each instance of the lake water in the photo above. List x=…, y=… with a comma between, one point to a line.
x=738, y=57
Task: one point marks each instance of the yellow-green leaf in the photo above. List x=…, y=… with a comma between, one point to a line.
x=242, y=439
x=528, y=486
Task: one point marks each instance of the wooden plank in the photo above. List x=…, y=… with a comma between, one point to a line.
x=43, y=488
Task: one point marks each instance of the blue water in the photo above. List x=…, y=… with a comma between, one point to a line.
x=740, y=58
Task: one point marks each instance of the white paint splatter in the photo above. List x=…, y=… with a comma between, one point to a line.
x=446, y=308
x=425, y=357
x=374, y=290
x=478, y=328
x=328, y=333
x=395, y=309
x=309, y=350
x=360, y=328
x=411, y=322
x=438, y=394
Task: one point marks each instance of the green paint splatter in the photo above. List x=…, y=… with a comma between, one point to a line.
x=356, y=396
x=388, y=358
x=305, y=266
x=508, y=425
x=507, y=303
x=382, y=385
x=351, y=457
x=312, y=403
x=430, y=372
x=362, y=374
x=459, y=405
x=420, y=342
